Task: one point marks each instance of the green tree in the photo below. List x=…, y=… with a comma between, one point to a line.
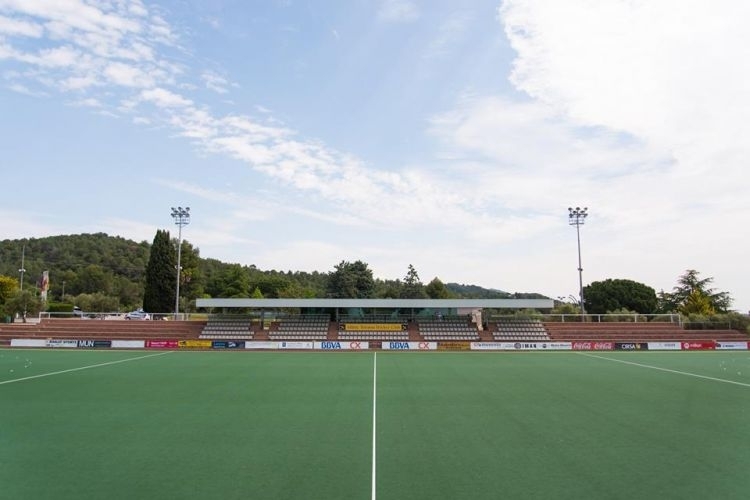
x=272, y=286
x=601, y=297
x=351, y=280
x=235, y=283
x=8, y=287
x=96, y=302
x=697, y=303
x=413, y=288
x=694, y=295
x=92, y=279
x=23, y=303
x=161, y=275
x=435, y=289
x=191, y=277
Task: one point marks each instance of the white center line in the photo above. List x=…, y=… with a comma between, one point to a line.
x=83, y=368
x=374, y=414
x=666, y=369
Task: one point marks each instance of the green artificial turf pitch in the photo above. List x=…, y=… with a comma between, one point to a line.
x=198, y=425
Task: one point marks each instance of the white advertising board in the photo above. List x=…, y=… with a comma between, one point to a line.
x=128, y=344
x=731, y=346
x=28, y=343
x=285, y=344
x=261, y=344
x=664, y=346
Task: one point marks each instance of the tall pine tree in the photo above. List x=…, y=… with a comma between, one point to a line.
x=161, y=275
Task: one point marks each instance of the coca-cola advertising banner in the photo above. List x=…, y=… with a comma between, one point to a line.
x=593, y=346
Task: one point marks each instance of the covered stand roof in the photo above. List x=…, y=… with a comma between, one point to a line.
x=380, y=303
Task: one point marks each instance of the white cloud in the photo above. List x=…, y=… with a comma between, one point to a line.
x=215, y=82
x=398, y=11
x=89, y=102
x=671, y=75
x=636, y=66
x=17, y=27
x=23, y=89
x=127, y=75
x=164, y=98
x=79, y=82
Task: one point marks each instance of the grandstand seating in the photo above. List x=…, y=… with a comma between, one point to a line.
x=305, y=327
x=635, y=332
x=230, y=327
x=512, y=329
x=76, y=328
x=448, y=328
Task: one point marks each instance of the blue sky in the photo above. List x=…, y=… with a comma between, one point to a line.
x=451, y=136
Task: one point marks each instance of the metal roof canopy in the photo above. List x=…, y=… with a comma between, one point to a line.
x=380, y=303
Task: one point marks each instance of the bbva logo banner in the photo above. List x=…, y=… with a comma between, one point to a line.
x=345, y=345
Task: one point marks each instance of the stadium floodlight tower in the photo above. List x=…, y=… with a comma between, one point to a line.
x=577, y=217
x=22, y=270
x=181, y=218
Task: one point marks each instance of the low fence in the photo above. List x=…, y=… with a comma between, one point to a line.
x=595, y=318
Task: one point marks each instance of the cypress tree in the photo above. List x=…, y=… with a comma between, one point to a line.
x=161, y=275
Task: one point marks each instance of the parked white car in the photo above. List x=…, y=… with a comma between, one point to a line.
x=139, y=314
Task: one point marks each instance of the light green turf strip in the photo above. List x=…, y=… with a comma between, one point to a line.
x=527, y=425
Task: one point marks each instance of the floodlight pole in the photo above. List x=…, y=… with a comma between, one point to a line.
x=181, y=218
x=22, y=270
x=577, y=217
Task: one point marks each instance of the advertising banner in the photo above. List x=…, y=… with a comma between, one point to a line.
x=731, y=346
x=227, y=344
x=128, y=344
x=631, y=346
x=409, y=346
x=453, y=346
x=161, y=344
x=194, y=344
x=521, y=346
x=373, y=327
x=701, y=345
x=592, y=346
x=335, y=345
x=295, y=345
x=488, y=346
x=44, y=286
x=61, y=343
x=664, y=346
x=92, y=344
x=28, y=343
x=260, y=344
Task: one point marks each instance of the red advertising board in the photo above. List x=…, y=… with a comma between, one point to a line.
x=592, y=346
x=698, y=345
x=161, y=344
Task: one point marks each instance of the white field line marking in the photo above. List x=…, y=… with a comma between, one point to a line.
x=84, y=368
x=666, y=369
x=374, y=414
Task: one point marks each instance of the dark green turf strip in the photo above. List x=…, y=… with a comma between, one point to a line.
x=556, y=426
x=192, y=425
